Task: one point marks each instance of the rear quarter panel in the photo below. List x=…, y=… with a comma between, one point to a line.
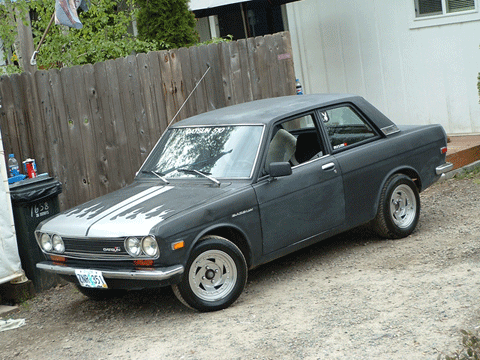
x=414, y=151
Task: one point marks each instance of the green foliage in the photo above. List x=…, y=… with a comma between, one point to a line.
x=217, y=40
x=470, y=348
x=169, y=23
x=104, y=35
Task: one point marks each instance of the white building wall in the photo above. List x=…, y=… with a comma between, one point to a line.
x=415, y=71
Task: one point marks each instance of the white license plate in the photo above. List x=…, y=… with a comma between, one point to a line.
x=90, y=278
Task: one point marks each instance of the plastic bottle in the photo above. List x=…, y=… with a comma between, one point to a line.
x=13, y=165
x=298, y=87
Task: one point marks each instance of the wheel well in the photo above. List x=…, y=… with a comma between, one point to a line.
x=412, y=174
x=236, y=237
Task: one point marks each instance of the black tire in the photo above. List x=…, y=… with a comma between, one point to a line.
x=399, y=208
x=100, y=294
x=215, y=275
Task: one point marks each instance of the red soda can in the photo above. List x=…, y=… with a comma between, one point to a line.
x=30, y=168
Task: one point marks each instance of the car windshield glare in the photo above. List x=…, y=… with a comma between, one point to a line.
x=217, y=151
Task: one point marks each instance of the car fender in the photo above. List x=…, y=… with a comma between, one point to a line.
x=406, y=170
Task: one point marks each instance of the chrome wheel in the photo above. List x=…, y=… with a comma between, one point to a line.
x=216, y=274
x=403, y=206
x=399, y=208
x=212, y=275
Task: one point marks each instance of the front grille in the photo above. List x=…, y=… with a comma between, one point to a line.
x=92, y=248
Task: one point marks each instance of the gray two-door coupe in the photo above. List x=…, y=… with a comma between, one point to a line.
x=231, y=189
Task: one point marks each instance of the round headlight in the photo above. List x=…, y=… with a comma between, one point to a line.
x=133, y=246
x=58, y=245
x=150, y=246
x=46, y=242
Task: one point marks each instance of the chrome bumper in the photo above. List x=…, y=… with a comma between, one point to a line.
x=442, y=169
x=157, y=274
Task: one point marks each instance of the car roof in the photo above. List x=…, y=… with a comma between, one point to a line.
x=266, y=110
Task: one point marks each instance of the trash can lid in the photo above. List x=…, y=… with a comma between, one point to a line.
x=35, y=189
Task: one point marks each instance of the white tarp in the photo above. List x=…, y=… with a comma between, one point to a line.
x=10, y=266
x=208, y=4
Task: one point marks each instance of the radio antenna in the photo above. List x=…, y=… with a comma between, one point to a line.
x=188, y=97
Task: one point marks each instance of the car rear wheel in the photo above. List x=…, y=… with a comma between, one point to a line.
x=399, y=208
x=216, y=274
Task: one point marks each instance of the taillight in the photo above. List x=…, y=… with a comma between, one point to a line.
x=443, y=150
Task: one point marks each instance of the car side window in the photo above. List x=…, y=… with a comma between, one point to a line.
x=345, y=127
x=295, y=141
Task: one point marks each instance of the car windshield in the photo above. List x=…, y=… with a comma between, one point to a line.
x=215, y=151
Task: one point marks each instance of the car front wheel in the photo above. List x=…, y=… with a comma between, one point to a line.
x=399, y=208
x=216, y=274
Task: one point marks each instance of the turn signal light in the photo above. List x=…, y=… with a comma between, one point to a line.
x=58, y=258
x=143, y=262
x=178, y=245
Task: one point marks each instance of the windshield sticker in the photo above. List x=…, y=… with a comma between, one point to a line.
x=204, y=130
x=325, y=117
x=339, y=146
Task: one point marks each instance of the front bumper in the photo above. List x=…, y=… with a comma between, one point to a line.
x=160, y=274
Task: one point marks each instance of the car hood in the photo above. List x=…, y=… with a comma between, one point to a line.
x=131, y=211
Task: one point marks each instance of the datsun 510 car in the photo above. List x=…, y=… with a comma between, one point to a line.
x=231, y=189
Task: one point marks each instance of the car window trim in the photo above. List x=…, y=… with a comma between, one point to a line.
x=362, y=116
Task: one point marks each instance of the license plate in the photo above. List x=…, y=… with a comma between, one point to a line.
x=90, y=278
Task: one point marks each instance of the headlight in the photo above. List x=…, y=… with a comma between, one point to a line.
x=46, y=242
x=133, y=246
x=150, y=246
x=58, y=245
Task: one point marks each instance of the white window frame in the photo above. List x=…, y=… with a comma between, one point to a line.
x=444, y=18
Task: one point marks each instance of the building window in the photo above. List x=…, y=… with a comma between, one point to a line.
x=442, y=7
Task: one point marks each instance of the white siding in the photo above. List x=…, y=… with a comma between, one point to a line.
x=415, y=74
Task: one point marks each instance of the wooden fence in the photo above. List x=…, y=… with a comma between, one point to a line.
x=92, y=126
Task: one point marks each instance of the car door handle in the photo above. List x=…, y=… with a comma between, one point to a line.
x=329, y=166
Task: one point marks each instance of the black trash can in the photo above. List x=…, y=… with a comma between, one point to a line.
x=34, y=200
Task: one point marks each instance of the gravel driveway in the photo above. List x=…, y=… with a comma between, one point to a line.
x=354, y=296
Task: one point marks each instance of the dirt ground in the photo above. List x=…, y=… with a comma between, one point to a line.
x=354, y=296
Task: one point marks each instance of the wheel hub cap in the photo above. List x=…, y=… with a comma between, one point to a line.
x=403, y=206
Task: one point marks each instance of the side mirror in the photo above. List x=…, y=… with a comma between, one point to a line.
x=279, y=169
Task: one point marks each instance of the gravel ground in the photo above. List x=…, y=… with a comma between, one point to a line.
x=354, y=296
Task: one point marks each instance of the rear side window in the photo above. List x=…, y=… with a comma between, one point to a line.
x=345, y=127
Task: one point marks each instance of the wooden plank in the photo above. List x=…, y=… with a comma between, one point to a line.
x=94, y=130
x=129, y=158
x=37, y=127
x=9, y=130
x=215, y=89
x=255, y=70
x=236, y=75
x=179, y=88
x=287, y=63
x=25, y=117
x=246, y=69
x=167, y=84
x=107, y=156
x=225, y=73
x=56, y=126
x=188, y=82
x=73, y=132
x=208, y=80
x=198, y=68
x=116, y=135
x=147, y=85
x=274, y=82
x=159, y=98
x=138, y=121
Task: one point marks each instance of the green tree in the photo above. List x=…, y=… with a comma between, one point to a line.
x=169, y=23
x=104, y=34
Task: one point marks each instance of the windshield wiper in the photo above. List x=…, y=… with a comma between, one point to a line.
x=192, y=171
x=201, y=162
x=157, y=174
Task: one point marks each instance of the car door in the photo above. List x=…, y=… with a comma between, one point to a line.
x=306, y=203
